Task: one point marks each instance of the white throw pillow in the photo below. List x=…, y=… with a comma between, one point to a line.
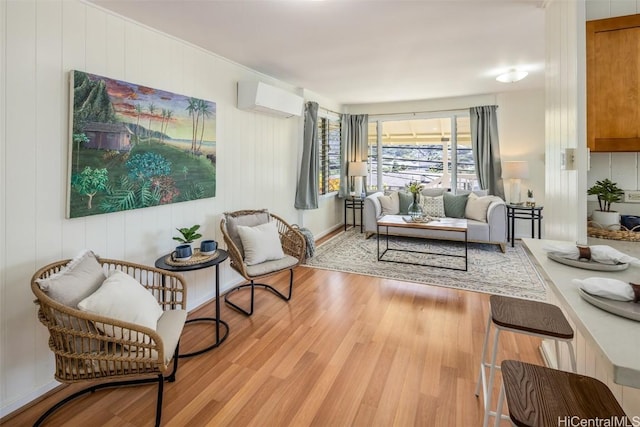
x=76, y=281
x=477, y=207
x=390, y=204
x=433, y=206
x=261, y=243
x=123, y=298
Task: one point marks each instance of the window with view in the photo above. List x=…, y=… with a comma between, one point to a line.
x=329, y=146
x=435, y=151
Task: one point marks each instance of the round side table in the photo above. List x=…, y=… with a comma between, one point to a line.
x=215, y=262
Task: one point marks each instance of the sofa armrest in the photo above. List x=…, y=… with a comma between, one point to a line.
x=371, y=212
x=497, y=220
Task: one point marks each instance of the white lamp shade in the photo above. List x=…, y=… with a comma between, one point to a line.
x=515, y=169
x=357, y=169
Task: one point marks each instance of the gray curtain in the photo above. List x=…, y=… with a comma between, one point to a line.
x=486, y=148
x=354, y=146
x=307, y=190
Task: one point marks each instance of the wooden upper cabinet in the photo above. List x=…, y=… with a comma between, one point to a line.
x=613, y=84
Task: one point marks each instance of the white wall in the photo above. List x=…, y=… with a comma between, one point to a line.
x=40, y=42
x=622, y=168
x=521, y=128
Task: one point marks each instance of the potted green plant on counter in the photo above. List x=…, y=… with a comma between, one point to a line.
x=608, y=193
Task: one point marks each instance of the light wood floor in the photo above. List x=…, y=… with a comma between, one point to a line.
x=346, y=350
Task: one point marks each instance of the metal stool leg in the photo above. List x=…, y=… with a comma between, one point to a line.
x=484, y=356
x=500, y=404
x=492, y=373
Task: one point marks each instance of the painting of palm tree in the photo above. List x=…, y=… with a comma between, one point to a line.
x=132, y=146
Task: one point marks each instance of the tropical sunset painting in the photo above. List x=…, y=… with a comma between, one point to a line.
x=133, y=146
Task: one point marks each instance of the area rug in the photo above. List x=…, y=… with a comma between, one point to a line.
x=489, y=270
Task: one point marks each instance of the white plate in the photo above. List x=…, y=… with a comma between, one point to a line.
x=588, y=265
x=630, y=310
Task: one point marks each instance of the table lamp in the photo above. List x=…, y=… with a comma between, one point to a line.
x=515, y=171
x=357, y=170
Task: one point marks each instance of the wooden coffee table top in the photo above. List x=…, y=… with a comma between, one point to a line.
x=447, y=224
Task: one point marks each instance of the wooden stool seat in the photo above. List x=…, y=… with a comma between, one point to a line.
x=533, y=317
x=528, y=317
x=539, y=396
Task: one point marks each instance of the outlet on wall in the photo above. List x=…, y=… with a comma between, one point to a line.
x=632, y=196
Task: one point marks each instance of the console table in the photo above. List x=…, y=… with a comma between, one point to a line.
x=215, y=262
x=532, y=213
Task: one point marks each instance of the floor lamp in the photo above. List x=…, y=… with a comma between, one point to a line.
x=357, y=170
x=515, y=171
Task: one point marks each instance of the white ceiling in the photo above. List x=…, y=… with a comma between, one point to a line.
x=363, y=51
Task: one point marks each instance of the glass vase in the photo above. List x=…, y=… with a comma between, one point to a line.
x=415, y=210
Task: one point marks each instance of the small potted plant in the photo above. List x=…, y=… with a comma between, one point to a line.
x=607, y=192
x=531, y=202
x=188, y=234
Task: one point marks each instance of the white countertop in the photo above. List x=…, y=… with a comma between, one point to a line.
x=616, y=337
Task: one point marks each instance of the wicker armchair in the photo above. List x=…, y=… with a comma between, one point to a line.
x=293, y=245
x=141, y=355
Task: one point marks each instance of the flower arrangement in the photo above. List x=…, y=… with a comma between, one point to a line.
x=414, y=187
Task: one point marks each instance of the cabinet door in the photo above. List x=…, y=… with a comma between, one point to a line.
x=613, y=84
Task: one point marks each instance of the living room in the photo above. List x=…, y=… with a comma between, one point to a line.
x=258, y=155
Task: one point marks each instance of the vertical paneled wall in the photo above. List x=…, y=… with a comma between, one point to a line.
x=40, y=42
x=565, y=209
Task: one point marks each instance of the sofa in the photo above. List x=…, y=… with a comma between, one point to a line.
x=486, y=215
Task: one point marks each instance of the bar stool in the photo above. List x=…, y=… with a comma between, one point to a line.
x=541, y=397
x=527, y=317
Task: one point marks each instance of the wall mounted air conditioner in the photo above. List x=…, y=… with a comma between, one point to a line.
x=263, y=98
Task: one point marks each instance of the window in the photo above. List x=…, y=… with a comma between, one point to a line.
x=329, y=146
x=433, y=150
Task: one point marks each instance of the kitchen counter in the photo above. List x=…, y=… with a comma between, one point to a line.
x=616, y=338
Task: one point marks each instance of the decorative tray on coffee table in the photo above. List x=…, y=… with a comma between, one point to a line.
x=420, y=220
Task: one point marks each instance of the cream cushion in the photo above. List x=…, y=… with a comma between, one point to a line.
x=123, y=298
x=390, y=204
x=477, y=207
x=249, y=220
x=261, y=243
x=81, y=277
x=432, y=206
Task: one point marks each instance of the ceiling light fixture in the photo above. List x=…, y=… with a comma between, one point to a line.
x=512, y=76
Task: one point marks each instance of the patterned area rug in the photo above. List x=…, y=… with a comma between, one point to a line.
x=489, y=270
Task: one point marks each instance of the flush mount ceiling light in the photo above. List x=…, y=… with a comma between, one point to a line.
x=512, y=76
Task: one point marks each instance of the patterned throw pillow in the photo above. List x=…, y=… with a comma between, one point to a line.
x=432, y=206
x=454, y=206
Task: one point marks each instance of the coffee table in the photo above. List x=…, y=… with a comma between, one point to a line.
x=445, y=224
